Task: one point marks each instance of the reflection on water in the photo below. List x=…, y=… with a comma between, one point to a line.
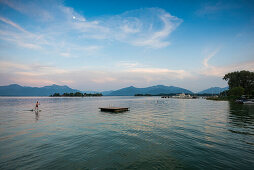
x=36, y=115
x=156, y=133
x=241, y=115
x=241, y=122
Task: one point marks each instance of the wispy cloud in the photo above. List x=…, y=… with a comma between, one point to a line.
x=215, y=7
x=34, y=9
x=30, y=74
x=160, y=71
x=132, y=73
x=209, y=56
x=220, y=71
x=57, y=31
x=25, y=40
x=132, y=27
x=29, y=69
x=156, y=39
x=7, y=21
x=148, y=27
x=146, y=70
x=127, y=64
x=20, y=36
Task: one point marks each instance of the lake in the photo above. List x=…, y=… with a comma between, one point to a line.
x=72, y=133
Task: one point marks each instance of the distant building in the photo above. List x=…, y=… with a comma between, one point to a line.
x=182, y=96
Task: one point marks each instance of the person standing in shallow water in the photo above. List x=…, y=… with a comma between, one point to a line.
x=37, y=106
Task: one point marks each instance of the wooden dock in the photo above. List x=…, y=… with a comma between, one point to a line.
x=114, y=109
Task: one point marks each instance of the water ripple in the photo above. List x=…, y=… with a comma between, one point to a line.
x=72, y=133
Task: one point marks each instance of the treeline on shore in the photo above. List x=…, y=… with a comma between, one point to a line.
x=174, y=94
x=241, y=85
x=143, y=95
x=77, y=94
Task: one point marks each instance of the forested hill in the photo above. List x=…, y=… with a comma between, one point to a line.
x=213, y=90
x=17, y=90
x=153, y=90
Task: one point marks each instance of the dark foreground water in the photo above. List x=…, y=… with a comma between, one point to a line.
x=71, y=133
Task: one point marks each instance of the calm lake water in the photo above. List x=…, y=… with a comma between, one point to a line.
x=71, y=133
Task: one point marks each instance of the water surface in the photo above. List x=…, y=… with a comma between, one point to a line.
x=156, y=133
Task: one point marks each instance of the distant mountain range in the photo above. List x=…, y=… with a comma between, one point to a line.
x=153, y=90
x=107, y=93
x=17, y=90
x=213, y=90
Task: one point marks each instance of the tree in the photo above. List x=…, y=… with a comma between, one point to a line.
x=244, y=79
x=236, y=91
x=78, y=94
x=224, y=93
x=66, y=94
x=56, y=94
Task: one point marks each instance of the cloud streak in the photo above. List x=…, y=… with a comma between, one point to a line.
x=212, y=8
x=209, y=56
x=148, y=27
x=7, y=21
x=90, y=78
x=34, y=9
x=107, y=79
x=103, y=52
x=220, y=71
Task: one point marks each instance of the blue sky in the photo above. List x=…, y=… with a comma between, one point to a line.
x=105, y=45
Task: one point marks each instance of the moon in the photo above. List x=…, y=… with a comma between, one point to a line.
x=74, y=17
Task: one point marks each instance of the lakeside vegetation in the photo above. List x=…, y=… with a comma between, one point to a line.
x=142, y=95
x=241, y=85
x=163, y=94
x=174, y=94
x=77, y=94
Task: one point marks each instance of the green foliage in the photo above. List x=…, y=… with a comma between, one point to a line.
x=66, y=94
x=138, y=95
x=222, y=98
x=244, y=79
x=56, y=94
x=236, y=91
x=142, y=95
x=224, y=93
x=89, y=95
x=77, y=94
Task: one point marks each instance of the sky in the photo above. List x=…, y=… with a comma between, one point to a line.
x=107, y=45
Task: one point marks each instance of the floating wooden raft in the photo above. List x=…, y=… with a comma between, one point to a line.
x=114, y=109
